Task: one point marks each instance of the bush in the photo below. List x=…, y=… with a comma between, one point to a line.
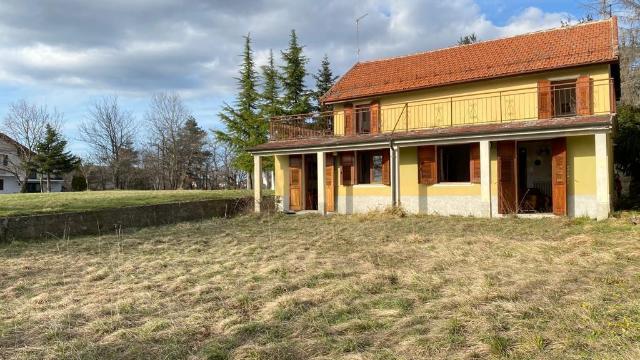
x=78, y=183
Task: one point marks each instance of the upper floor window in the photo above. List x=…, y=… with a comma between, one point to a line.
x=564, y=97
x=5, y=159
x=363, y=119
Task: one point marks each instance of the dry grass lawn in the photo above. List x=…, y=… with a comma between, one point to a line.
x=355, y=287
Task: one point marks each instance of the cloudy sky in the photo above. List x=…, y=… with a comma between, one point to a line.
x=67, y=53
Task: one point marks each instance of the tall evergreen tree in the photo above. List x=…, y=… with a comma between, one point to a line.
x=271, y=104
x=192, y=139
x=244, y=127
x=296, y=96
x=324, y=81
x=51, y=157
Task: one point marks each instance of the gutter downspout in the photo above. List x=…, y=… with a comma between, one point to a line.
x=395, y=157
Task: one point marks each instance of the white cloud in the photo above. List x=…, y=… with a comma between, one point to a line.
x=135, y=48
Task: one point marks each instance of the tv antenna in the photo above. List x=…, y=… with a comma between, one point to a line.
x=358, y=35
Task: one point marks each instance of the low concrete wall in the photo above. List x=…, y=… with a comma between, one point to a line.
x=108, y=221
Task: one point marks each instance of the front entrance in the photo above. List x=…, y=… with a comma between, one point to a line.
x=532, y=176
x=310, y=182
x=303, y=182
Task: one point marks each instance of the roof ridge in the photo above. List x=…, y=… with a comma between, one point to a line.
x=611, y=19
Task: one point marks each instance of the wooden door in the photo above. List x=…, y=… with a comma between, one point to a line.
x=507, y=179
x=295, y=182
x=559, y=175
x=329, y=198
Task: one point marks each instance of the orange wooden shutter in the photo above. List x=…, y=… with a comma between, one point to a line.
x=329, y=201
x=347, y=165
x=507, y=199
x=349, y=120
x=375, y=117
x=583, y=95
x=427, y=165
x=295, y=182
x=559, y=175
x=474, y=163
x=545, y=99
x=386, y=168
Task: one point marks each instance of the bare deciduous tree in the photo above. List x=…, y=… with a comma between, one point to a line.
x=166, y=118
x=109, y=131
x=26, y=124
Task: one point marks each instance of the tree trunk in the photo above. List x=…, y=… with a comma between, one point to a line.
x=48, y=182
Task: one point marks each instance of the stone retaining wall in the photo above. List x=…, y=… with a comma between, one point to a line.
x=108, y=221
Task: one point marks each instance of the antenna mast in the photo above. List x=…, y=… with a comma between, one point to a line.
x=358, y=35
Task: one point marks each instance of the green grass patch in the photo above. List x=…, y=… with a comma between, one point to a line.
x=29, y=204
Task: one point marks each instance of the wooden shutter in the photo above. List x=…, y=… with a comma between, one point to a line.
x=295, y=182
x=427, y=165
x=386, y=167
x=474, y=163
x=349, y=120
x=507, y=160
x=583, y=95
x=559, y=175
x=545, y=99
x=375, y=117
x=329, y=201
x=347, y=165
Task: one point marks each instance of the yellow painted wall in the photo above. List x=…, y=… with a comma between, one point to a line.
x=581, y=165
x=490, y=101
x=409, y=185
x=281, y=175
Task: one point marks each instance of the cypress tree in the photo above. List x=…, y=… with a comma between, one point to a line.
x=244, y=127
x=51, y=157
x=324, y=81
x=296, y=96
x=271, y=104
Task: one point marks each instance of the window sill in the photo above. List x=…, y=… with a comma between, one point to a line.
x=453, y=184
x=369, y=185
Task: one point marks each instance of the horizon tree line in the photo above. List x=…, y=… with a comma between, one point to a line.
x=176, y=152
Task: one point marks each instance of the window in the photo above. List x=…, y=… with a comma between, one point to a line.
x=1, y=184
x=5, y=159
x=453, y=163
x=363, y=119
x=564, y=97
x=370, y=167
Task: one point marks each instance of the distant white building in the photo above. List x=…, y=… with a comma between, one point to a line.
x=10, y=170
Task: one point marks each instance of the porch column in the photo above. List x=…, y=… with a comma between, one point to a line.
x=257, y=182
x=603, y=176
x=485, y=177
x=321, y=183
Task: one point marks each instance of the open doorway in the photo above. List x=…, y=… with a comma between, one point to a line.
x=310, y=182
x=534, y=177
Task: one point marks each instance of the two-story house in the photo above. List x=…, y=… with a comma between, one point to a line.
x=11, y=170
x=514, y=125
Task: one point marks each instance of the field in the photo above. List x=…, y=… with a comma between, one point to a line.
x=27, y=204
x=359, y=287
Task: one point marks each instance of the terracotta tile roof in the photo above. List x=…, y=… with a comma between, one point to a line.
x=578, y=122
x=589, y=43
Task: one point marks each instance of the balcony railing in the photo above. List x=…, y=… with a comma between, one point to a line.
x=477, y=108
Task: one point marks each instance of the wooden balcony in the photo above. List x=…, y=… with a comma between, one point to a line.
x=555, y=99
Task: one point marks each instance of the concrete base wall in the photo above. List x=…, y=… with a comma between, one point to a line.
x=446, y=205
x=362, y=203
x=582, y=205
x=109, y=220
